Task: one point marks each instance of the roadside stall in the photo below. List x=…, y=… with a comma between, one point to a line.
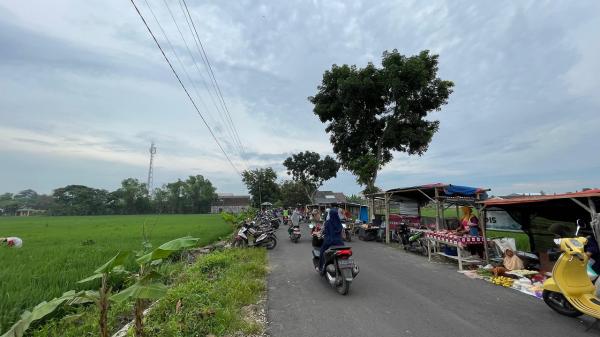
x=545, y=217
x=438, y=234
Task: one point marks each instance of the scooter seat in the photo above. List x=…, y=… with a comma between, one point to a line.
x=339, y=247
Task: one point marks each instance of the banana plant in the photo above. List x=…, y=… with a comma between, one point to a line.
x=148, y=285
x=113, y=266
x=45, y=309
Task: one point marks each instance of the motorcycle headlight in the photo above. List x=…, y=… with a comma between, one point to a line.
x=557, y=242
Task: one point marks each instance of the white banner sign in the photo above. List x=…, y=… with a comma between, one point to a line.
x=501, y=220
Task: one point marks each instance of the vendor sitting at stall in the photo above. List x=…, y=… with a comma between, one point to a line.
x=511, y=262
x=469, y=224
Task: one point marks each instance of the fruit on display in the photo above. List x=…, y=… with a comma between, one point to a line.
x=503, y=281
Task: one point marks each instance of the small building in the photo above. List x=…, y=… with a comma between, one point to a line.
x=230, y=204
x=28, y=211
x=325, y=199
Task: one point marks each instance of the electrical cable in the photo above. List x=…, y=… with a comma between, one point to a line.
x=178, y=58
x=216, y=83
x=228, y=128
x=183, y=86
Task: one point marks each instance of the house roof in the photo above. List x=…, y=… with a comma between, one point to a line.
x=234, y=200
x=329, y=197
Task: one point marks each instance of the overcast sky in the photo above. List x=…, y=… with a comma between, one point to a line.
x=84, y=90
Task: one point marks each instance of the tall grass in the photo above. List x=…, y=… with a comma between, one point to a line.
x=59, y=251
x=210, y=296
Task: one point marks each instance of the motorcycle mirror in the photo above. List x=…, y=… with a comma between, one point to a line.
x=557, y=241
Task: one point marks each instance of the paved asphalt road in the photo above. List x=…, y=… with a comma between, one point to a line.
x=400, y=294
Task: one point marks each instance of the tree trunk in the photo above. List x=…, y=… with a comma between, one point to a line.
x=309, y=194
x=139, y=316
x=379, y=154
x=103, y=307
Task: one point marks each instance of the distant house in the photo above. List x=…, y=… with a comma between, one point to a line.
x=28, y=211
x=230, y=203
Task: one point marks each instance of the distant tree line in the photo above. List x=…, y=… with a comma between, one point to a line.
x=308, y=171
x=193, y=195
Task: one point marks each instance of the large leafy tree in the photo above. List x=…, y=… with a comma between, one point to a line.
x=310, y=171
x=27, y=198
x=293, y=194
x=8, y=204
x=79, y=200
x=176, y=196
x=134, y=195
x=371, y=112
x=199, y=194
x=262, y=185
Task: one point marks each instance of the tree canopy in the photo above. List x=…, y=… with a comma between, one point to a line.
x=310, y=171
x=371, y=112
x=194, y=195
x=293, y=194
x=262, y=185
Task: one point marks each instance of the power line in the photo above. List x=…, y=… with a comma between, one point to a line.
x=229, y=130
x=183, y=86
x=212, y=74
x=177, y=57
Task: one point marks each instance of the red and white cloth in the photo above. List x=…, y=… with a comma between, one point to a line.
x=13, y=242
x=451, y=238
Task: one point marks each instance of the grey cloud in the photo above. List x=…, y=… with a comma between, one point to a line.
x=508, y=61
x=250, y=155
x=32, y=141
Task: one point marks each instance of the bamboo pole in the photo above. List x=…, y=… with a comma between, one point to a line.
x=387, y=218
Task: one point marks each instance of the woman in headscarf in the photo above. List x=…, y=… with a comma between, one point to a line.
x=332, y=234
x=511, y=262
x=469, y=224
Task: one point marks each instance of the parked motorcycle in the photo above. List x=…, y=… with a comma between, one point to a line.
x=261, y=237
x=275, y=222
x=411, y=241
x=339, y=268
x=570, y=291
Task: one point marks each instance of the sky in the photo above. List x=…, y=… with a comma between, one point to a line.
x=84, y=90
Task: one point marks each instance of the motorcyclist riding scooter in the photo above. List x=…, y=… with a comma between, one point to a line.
x=332, y=234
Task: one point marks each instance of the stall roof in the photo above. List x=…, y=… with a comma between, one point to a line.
x=541, y=198
x=556, y=207
x=426, y=193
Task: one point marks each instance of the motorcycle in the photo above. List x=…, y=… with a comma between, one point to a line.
x=295, y=233
x=315, y=232
x=339, y=268
x=275, y=223
x=346, y=233
x=569, y=291
x=261, y=238
x=411, y=242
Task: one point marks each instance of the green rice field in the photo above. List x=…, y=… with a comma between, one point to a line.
x=59, y=251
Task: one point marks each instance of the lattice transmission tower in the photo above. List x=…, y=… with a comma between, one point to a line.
x=151, y=170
